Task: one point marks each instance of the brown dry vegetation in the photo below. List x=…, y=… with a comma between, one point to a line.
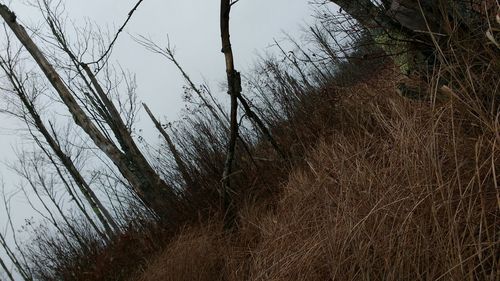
x=375, y=186
x=395, y=189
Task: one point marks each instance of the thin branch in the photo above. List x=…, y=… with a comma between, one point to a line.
x=120, y=30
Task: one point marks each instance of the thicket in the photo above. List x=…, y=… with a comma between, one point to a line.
x=353, y=180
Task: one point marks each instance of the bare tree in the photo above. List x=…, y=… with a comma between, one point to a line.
x=55, y=145
x=234, y=91
x=168, y=53
x=125, y=155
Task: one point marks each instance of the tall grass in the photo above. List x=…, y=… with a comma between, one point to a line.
x=388, y=188
x=398, y=190
x=375, y=186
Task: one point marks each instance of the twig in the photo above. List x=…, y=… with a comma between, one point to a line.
x=120, y=30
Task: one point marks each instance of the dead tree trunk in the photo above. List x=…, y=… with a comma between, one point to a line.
x=21, y=269
x=177, y=157
x=234, y=90
x=262, y=127
x=6, y=269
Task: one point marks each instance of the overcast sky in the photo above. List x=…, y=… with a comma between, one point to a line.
x=193, y=28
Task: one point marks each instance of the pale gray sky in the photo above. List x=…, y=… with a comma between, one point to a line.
x=193, y=27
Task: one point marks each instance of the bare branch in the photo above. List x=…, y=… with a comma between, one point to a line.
x=120, y=30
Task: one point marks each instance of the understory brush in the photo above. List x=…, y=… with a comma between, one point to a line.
x=397, y=190
x=371, y=185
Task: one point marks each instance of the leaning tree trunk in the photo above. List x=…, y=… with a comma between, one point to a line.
x=183, y=169
x=6, y=269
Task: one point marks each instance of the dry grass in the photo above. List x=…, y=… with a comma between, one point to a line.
x=375, y=186
x=397, y=190
x=194, y=255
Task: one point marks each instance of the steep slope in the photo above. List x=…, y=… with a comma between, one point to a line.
x=396, y=189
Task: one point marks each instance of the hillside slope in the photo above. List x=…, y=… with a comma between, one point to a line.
x=370, y=158
x=395, y=189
